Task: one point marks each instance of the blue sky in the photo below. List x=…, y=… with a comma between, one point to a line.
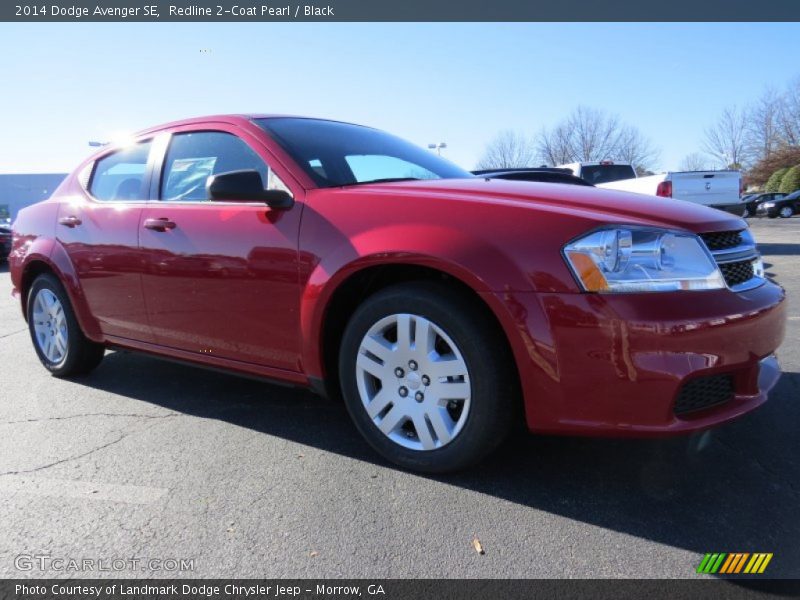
x=64, y=84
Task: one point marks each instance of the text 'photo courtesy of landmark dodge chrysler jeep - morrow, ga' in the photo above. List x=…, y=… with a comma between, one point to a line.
x=441, y=306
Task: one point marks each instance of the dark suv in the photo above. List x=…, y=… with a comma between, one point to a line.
x=5, y=240
x=755, y=199
x=781, y=207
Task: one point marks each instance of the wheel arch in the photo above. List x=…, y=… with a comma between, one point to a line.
x=342, y=296
x=57, y=263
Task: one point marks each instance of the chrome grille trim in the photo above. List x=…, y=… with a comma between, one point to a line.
x=743, y=250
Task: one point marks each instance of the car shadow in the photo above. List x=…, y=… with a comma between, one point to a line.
x=732, y=489
x=772, y=249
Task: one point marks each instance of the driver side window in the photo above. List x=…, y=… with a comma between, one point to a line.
x=193, y=157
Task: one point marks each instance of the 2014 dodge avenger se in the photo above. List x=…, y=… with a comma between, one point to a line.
x=441, y=306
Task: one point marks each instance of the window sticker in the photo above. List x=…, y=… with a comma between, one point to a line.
x=187, y=178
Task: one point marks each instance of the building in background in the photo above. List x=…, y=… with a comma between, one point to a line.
x=18, y=190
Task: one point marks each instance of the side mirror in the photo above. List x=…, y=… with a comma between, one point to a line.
x=246, y=186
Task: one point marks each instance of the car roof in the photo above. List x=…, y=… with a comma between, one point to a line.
x=234, y=119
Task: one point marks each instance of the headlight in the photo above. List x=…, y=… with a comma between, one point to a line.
x=768, y=204
x=642, y=260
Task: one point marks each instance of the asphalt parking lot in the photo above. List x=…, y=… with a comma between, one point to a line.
x=151, y=459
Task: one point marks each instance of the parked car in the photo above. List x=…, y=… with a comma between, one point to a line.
x=441, y=306
x=5, y=241
x=717, y=189
x=782, y=207
x=753, y=200
x=541, y=174
x=603, y=171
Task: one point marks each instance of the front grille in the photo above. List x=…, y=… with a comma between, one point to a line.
x=722, y=240
x=737, y=272
x=704, y=392
x=734, y=252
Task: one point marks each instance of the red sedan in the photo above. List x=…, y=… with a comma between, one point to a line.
x=441, y=306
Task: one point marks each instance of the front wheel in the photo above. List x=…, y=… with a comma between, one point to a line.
x=786, y=212
x=427, y=377
x=57, y=338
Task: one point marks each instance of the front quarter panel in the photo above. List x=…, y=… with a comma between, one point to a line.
x=490, y=248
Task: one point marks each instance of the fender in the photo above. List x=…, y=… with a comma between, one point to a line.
x=426, y=248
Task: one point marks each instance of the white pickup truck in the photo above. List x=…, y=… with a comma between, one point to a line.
x=717, y=189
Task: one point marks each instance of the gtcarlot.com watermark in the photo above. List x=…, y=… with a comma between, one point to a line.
x=68, y=564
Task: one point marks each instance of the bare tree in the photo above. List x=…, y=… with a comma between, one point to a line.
x=508, y=149
x=789, y=118
x=726, y=140
x=588, y=134
x=764, y=123
x=634, y=148
x=694, y=162
x=554, y=146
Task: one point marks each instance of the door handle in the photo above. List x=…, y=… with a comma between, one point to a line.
x=162, y=224
x=70, y=221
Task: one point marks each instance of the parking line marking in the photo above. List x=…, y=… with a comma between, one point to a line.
x=83, y=490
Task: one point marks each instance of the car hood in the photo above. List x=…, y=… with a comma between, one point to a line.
x=610, y=206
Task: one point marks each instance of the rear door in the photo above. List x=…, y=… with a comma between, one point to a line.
x=711, y=188
x=221, y=277
x=99, y=230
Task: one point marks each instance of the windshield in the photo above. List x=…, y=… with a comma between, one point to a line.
x=595, y=174
x=337, y=154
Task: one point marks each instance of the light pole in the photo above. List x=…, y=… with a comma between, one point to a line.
x=438, y=147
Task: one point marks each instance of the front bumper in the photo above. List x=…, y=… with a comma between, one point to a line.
x=615, y=364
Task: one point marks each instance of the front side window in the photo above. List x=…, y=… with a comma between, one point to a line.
x=338, y=154
x=193, y=157
x=120, y=176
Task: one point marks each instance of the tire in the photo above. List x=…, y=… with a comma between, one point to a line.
x=467, y=380
x=785, y=212
x=747, y=214
x=50, y=317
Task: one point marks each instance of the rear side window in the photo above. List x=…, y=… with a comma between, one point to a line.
x=120, y=176
x=193, y=157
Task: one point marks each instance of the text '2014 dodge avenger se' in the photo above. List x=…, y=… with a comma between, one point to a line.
x=441, y=306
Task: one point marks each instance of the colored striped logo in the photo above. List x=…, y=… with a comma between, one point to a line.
x=734, y=562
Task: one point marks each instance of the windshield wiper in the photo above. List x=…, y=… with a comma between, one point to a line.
x=383, y=180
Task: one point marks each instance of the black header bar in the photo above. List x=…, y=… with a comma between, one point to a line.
x=242, y=11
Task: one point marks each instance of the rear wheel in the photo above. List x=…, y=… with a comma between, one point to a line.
x=57, y=338
x=427, y=378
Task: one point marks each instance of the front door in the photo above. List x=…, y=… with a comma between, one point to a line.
x=221, y=277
